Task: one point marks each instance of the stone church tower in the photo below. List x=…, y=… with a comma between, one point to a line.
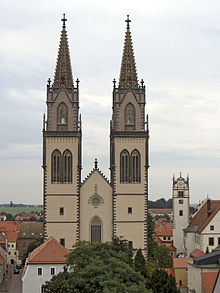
x=180, y=210
x=96, y=209
x=129, y=152
x=62, y=152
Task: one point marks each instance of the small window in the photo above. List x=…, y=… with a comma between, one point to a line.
x=211, y=241
x=8, y=245
x=164, y=238
x=168, y=237
x=62, y=241
x=12, y=245
x=9, y=253
x=52, y=271
x=212, y=228
x=61, y=211
x=15, y=253
x=39, y=271
x=130, y=244
x=218, y=240
x=181, y=212
x=129, y=210
x=180, y=193
x=180, y=201
x=180, y=283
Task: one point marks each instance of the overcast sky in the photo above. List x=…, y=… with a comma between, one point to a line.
x=177, y=50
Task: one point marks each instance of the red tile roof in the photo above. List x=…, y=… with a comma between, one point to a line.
x=12, y=236
x=196, y=253
x=161, y=211
x=50, y=252
x=172, y=248
x=165, y=229
x=181, y=262
x=208, y=280
x=9, y=226
x=202, y=217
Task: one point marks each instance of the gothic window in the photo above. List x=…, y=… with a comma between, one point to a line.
x=96, y=229
x=129, y=117
x=67, y=167
x=56, y=167
x=124, y=166
x=135, y=167
x=62, y=117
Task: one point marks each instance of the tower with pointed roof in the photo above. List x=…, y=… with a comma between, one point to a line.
x=129, y=152
x=62, y=151
x=180, y=211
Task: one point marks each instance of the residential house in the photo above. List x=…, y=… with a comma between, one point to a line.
x=203, y=231
x=42, y=264
x=180, y=267
x=200, y=271
x=29, y=231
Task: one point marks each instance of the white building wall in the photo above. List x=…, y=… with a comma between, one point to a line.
x=32, y=282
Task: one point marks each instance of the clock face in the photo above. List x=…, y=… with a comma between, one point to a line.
x=180, y=184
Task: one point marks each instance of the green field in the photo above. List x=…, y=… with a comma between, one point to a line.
x=18, y=210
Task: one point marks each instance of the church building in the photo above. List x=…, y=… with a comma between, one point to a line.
x=96, y=208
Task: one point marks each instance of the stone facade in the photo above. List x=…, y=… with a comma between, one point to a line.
x=96, y=209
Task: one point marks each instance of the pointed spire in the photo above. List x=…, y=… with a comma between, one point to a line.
x=63, y=73
x=128, y=74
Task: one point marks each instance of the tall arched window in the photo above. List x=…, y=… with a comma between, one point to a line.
x=135, y=167
x=62, y=117
x=124, y=166
x=96, y=229
x=67, y=166
x=129, y=117
x=56, y=167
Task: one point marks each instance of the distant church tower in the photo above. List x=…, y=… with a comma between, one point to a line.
x=180, y=210
x=129, y=152
x=62, y=152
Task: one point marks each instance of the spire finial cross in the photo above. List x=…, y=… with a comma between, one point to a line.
x=64, y=20
x=96, y=164
x=128, y=20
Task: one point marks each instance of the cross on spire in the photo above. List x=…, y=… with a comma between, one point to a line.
x=128, y=20
x=64, y=20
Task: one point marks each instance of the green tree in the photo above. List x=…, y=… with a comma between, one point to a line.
x=140, y=264
x=98, y=267
x=161, y=257
x=161, y=282
x=150, y=231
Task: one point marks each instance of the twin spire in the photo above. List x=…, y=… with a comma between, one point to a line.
x=63, y=72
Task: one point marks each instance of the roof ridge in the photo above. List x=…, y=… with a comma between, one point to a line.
x=90, y=174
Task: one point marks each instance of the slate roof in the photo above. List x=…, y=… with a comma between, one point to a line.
x=211, y=258
x=50, y=252
x=204, y=215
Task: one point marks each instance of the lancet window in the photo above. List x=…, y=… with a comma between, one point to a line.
x=124, y=166
x=56, y=167
x=129, y=117
x=96, y=229
x=61, y=167
x=135, y=167
x=62, y=117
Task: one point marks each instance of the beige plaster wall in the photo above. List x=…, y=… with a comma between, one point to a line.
x=62, y=144
x=63, y=230
x=136, y=202
x=69, y=203
x=132, y=232
x=88, y=211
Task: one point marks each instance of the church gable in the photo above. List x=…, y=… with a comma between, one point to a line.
x=96, y=208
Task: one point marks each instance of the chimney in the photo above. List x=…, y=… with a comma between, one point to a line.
x=209, y=207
